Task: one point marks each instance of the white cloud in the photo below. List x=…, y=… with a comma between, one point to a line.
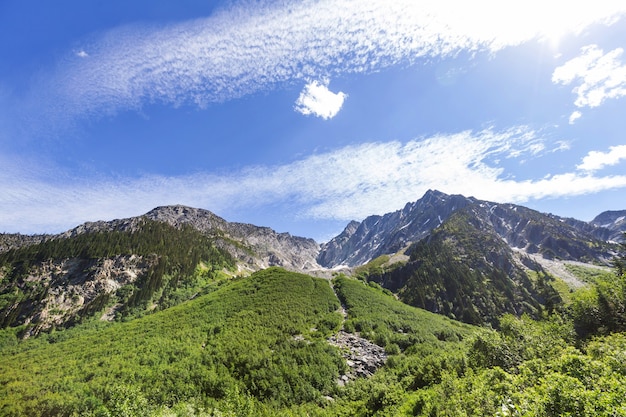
x=349, y=183
x=257, y=45
x=595, y=160
x=598, y=75
x=574, y=116
x=318, y=100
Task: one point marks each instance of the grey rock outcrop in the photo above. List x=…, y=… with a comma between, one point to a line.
x=362, y=356
x=66, y=288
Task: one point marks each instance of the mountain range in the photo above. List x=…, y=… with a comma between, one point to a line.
x=180, y=312
x=459, y=256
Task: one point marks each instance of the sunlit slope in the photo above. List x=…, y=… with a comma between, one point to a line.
x=238, y=338
x=254, y=346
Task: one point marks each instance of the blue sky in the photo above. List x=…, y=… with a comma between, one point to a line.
x=303, y=115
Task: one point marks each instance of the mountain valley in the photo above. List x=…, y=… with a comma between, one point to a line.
x=193, y=315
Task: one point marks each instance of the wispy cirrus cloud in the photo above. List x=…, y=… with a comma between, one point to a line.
x=598, y=76
x=318, y=100
x=348, y=183
x=256, y=46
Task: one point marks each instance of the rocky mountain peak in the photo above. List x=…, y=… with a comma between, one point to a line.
x=378, y=235
x=521, y=227
x=179, y=215
x=259, y=247
x=614, y=221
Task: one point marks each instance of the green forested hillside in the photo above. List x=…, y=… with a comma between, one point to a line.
x=238, y=339
x=257, y=346
x=465, y=271
x=172, y=255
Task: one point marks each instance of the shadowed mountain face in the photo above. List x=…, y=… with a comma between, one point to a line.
x=465, y=270
x=521, y=228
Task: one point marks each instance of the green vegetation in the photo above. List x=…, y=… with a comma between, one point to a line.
x=256, y=346
x=468, y=274
x=601, y=307
x=379, y=317
x=235, y=344
x=376, y=267
x=589, y=274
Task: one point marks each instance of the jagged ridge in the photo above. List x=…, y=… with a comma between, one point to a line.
x=522, y=228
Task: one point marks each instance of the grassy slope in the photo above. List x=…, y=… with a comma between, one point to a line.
x=236, y=338
x=422, y=346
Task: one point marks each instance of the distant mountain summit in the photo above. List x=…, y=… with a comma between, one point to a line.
x=378, y=235
x=615, y=221
x=255, y=246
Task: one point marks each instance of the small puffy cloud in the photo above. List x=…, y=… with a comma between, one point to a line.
x=598, y=75
x=318, y=100
x=595, y=160
x=82, y=54
x=574, y=116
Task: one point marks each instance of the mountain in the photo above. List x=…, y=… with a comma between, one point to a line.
x=614, y=221
x=465, y=270
x=254, y=246
x=127, y=267
x=167, y=256
x=176, y=312
x=377, y=235
x=469, y=259
x=522, y=228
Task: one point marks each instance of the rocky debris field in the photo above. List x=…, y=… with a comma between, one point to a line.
x=362, y=356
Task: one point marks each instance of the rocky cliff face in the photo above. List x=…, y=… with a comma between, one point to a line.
x=16, y=240
x=57, y=291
